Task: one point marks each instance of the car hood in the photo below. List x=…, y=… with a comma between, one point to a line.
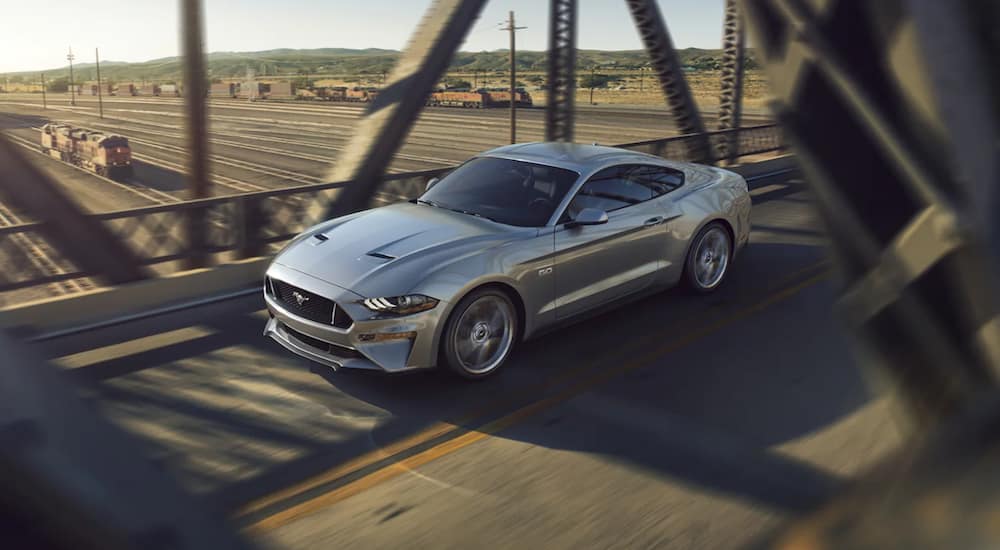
x=389, y=250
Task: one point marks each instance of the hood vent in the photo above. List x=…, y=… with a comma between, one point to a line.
x=381, y=256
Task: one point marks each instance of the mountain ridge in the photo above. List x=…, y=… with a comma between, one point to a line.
x=294, y=62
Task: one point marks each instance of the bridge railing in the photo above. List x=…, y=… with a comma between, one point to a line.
x=254, y=224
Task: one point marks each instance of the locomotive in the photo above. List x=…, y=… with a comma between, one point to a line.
x=104, y=154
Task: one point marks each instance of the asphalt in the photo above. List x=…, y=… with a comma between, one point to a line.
x=676, y=421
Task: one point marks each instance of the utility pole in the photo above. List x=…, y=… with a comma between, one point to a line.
x=592, y=82
x=72, y=87
x=475, y=79
x=513, y=76
x=642, y=73
x=45, y=104
x=100, y=100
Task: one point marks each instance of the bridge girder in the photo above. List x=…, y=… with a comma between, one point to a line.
x=900, y=148
x=561, y=79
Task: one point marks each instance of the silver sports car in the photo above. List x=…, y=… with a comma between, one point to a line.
x=511, y=242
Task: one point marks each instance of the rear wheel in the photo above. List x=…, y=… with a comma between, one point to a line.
x=480, y=334
x=708, y=259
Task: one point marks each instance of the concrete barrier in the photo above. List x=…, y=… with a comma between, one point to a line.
x=102, y=305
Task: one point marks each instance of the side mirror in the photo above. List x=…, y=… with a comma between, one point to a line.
x=431, y=183
x=589, y=216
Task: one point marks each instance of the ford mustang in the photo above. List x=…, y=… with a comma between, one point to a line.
x=514, y=241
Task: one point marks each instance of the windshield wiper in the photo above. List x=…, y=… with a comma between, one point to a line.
x=429, y=203
x=470, y=213
x=453, y=209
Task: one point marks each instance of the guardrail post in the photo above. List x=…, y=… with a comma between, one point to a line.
x=248, y=220
x=197, y=131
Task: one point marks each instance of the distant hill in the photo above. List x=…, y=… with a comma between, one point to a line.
x=286, y=62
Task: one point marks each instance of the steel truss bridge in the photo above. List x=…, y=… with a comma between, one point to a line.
x=889, y=107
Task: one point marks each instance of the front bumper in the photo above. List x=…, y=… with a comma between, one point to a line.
x=390, y=345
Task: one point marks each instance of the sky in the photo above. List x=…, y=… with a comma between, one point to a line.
x=37, y=36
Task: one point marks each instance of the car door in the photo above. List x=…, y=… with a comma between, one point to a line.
x=595, y=264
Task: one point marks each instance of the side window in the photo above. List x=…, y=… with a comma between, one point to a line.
x=610, y=189
x=660, y=179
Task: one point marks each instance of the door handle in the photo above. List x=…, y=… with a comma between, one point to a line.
x=653, y=221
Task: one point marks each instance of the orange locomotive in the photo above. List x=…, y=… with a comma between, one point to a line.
x=104, y=154
x=478, y=99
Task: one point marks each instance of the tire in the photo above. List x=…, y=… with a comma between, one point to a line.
x=480, y=334
x=708, y=259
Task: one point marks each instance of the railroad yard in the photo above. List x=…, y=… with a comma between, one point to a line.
x=264, y=145
x=257, y=146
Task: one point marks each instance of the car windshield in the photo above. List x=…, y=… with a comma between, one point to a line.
x=506, y=191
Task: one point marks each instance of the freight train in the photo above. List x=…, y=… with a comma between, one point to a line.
x=478, y=99
x=104, y=154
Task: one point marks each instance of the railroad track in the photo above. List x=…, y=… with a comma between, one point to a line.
x=137, y=188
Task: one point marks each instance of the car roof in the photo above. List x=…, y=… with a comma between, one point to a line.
x=577, y=157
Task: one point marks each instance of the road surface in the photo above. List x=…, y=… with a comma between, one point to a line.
x=673, y=422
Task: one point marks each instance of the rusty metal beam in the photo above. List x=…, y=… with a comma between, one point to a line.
x=561, y=79
x=386, y=123
x=84, y=241
x=198, y=183
x=665, y=61
x=731, y=96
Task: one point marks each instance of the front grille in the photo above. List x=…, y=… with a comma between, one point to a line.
x=326, y=347
x=308, y=340
x=309, y=305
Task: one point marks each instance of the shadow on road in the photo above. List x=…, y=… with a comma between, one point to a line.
x=705, y=413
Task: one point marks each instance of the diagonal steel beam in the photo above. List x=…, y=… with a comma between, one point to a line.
x=881, y=129
x=561, y=71
x=731, y=97
x=83, y=240
x=665, y=61
x=382, y=129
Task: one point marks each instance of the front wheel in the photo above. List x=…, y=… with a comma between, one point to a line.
x=708, y=259
x=480, y=334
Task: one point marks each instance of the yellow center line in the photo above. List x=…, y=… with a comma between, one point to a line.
x=132, y=347
x=395, y=469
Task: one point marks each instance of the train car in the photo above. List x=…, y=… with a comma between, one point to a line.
x=331, y=93
x=149, y=90
x=104, y=154
x=281, y=90
x=125, y=89
x=222, y=89
x=171, y=90
x=501, y=98
x=455, y=98
x=363, y=95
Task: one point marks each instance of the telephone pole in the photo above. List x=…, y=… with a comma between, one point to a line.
x=45, y=104
x=100, y=99
x=72, y=88
x=513, y=76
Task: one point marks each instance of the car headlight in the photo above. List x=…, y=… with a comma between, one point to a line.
x=401, y=305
